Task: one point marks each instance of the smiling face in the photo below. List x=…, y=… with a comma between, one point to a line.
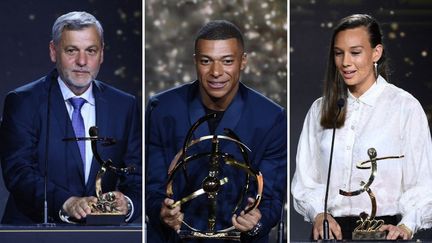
x=354, y=58
x=219, y=64
x=78, y=57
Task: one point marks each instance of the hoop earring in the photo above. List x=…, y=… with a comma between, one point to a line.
x=376, y=69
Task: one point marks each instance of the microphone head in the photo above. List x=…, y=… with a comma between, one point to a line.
x=93, y=131
x=341, y=103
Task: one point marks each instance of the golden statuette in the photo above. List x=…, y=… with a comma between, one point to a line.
x=214, y=180
x=367, y=226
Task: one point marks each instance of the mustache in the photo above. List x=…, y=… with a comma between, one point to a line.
x=82, y=70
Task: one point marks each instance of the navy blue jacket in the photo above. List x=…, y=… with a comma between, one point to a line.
x=23, y=145
x=258, y=122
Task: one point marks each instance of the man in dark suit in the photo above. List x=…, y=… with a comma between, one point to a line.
x=65, y=104
x=258, y=122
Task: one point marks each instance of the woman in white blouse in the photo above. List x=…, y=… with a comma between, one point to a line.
x=376, y=115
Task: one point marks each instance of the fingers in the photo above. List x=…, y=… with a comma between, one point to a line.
x=251, y=202
x=171, y=217
x=395, y=232
x=246, y=221
x=179, y=220
x=78, y=207
x=121, y=202
x=318, y=227
x=316, y=233
x=335, y=231
x=384, y=227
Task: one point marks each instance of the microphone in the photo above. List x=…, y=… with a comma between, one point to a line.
x=340, y=104
x=93, y=131
x=108, y=164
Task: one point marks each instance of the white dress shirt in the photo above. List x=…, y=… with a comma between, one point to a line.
x=88, y=112
x=393, y=122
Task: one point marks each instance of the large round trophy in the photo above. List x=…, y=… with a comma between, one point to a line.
x=367, y=226
x=214, y=181
x=104, y=210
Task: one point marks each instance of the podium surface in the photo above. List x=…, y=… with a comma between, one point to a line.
x=70, y=234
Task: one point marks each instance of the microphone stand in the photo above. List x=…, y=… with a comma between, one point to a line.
x=45, y=212
x=281, y=226
x=326, y=229
x=152, y=105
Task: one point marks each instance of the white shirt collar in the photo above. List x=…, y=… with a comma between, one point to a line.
x=67, y=93
x=371, y=95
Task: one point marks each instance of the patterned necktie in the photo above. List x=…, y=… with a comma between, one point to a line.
x=78, y=124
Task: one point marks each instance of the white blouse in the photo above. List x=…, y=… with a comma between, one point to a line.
x=393, y=122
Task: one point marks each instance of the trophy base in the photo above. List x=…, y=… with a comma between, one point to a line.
x=188, y=234
x=369, y=235
x=105, y=219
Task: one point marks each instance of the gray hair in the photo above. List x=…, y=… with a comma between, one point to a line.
x=75, y=21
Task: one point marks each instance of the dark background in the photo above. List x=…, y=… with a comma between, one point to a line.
x=170, y=29
x=407, y=27
x=26, y=31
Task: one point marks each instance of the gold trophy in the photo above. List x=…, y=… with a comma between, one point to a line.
x=367, y=226
x=214, y=181
x=104, y=211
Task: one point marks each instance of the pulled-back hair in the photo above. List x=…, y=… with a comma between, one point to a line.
x=334, y=85
x=75, y=21
x=219, y=30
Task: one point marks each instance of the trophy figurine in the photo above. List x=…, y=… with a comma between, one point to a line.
x=367, y=226
x=104, y=211
x=214, y=181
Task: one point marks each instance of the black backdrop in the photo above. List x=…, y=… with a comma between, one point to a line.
x=407, y=27
x=26, y=31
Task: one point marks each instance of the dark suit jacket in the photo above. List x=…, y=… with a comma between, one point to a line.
x=23, y=149
x=258, y=122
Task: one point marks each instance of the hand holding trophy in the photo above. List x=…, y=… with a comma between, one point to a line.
x=105, y=210
x=367, y=226
x=214, y=181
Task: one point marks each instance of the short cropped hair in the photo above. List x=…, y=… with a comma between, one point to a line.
x=75, y=21
x=219, y=30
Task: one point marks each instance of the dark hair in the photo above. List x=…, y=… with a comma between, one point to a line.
x=334, y=85
x=219, y=30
